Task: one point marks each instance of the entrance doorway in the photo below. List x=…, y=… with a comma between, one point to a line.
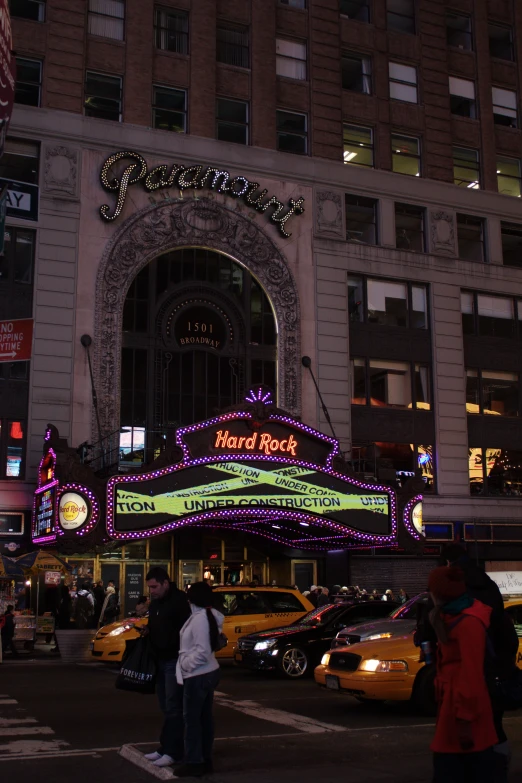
x=304, y=574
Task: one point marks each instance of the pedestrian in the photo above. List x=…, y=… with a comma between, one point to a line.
x=198, y=672
x=142, y=607
x=111, y=605
x=8, y=631
x=323, y=599
x=403, y=596
x=99, y=597
x=64, y=609
x=388, y=596
x=84, y=607
x=313, y=596
x=168, y=612
x=465, y=732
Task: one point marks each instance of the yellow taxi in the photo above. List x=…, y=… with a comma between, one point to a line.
x=389, y=669
x=246, y=611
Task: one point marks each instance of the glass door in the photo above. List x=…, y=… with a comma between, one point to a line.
x=191, y=571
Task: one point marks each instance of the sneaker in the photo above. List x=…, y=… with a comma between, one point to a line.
x=191, y=771
x=153, y=756
x=164, y=761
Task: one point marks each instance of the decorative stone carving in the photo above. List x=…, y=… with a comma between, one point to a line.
x=442, y=233
x=166, y=226
x=61, y=171
x=329, y=214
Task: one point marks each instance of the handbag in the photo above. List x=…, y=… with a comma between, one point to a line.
x=221, y=642
x=138, y=668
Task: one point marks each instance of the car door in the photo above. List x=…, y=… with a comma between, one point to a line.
x=285, y=608
x=244, y=612
x=515, y=612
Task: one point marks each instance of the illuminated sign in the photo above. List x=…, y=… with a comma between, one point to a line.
x=200, y=325
x=45, y=512
x=416, y=518
x=73, y=510
x=258, y=441
x=194, y=177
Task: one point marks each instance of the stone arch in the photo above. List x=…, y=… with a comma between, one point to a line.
x=170, y=225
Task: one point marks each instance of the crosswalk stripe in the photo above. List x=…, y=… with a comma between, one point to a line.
x=16, y=721
x=26, y=731
x=255, y=710
x=28, y=746
x=8, y=701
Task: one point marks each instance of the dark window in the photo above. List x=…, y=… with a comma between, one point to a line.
x=508, y=176
x=458, y=30
x=107, y=18
x=232, y=120
x=283, y=602
x=492, y=392
x=28, y=9
x=232, y=45
x=358, y=145
x=240, y=603
x=103, y=96
x=400, y=15
x=409, y=228
x=466, y=168
x=487, y=316
x=511, y=243
x=356, y=9
x=495, y=472
x=28, y=81
x=359, y=383
x=171, y=30
x=169, y=109
x=294, y=3
x=291, y=132
x=291, y=58
x=356, y=73
x=12, y=448
x=403, y=82
x=16, y=265
x=422, y=387
x=462, y=97
x=501, y=42
x=505, y=107
x=406, y=156
x=262, y=327
x=20, y=161
x=471, y=237
x=361, y=219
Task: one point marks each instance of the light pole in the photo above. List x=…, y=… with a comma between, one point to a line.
x=86, y=341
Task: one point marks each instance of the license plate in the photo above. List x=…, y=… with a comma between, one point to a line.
x=238, y=657
x=332, y=682
x=91, y=646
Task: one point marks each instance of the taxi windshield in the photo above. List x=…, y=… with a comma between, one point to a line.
x=319, y=616
x=408, y=611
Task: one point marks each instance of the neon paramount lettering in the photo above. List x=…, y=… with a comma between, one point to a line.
x=196, y=177
x=265, y=443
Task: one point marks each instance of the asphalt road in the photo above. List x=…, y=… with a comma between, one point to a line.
x=67, y=724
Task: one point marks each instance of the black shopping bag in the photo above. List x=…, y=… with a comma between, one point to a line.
x=138, y=668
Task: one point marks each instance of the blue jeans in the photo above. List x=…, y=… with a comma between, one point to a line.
x=170, y=696
x=198, y=695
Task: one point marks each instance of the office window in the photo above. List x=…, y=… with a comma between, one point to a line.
x=501, y=42
x=290, y=59
x=504, y=107
x=359, y=390
x=361, y=219
x=462, y=97
x=232, y=45
x=409, y=228
x=422, y=387
x=28, y=81
x=390, y=384
x=387, y=303
x=103, y=96
x=458, y=30
x=355, y=299
x=511, y=234
x=492, y=392
x=508, y=176
x=403, y=82
x=28, y=9
x=232, y=120
x=470, y=236
x=106, y=18
x=466, y=168
x=468, y=311
x=356, y=73
x=169, y=109
x=495, y=472
x=20, y=161
x=495, y=316
x=171, y=30
x=291, y=132
x=356, y=9
x=406, y=157
x=13, y=448
x=294, y=3
x=358, y=145
x=400, y=15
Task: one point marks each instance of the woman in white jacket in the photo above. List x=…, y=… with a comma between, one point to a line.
x=198, y=671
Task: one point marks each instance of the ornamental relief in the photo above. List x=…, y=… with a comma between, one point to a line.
x=164, y=227
x=329, y=213
x=443, y=233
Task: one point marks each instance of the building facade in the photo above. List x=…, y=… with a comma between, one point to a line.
x=335, y=179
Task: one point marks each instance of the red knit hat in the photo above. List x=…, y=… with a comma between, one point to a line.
x=447, y=583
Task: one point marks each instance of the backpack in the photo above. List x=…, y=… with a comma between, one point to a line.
x=84, y=606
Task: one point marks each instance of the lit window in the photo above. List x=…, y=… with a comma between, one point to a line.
x=232, y=45
x=409, y=228
x=504, y=107
x=403, y=82
x=356, y=9
x=291, y=132
x=106, y=18
x=290, y=59
x=169, y=109
x=28, y=9
x=359, y=394
x=422, y=387
x=390, y=384
x=103, y=96
x=458, y=30
x=356, y=73
x=511, y=234
x=358, y=145
x=492, y=392
x=400, y=15
x=361, y=219
x=462, y=97
x=171, y=30
x=232, y=120
x=508, y=176
x=406, y=157
x=470, y=236
x=14, y=467
x=466, y=168
x=28, y=81
x=501, y=42
x=495, y=472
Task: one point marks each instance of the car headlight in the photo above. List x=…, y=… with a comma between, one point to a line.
x=120, y=630
x=374, y=665
x=378, y=636
x=266, y=645
x=325, y=660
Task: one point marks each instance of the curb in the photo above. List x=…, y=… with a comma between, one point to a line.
x=133, y=755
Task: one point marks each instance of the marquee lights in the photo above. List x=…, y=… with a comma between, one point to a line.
x=42, y=488
x=191, y=177
x=95, y=508
x=407, y=516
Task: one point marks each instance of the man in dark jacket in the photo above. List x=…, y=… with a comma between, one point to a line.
x=8, y=631
x=168, y=612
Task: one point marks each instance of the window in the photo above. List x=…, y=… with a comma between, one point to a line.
x=20, y=161
x=28, y=9
x=388, y=302
x=422, y=387
x=103, y=96
x=395, y=463
x=409, y=228
x=355, y=299
x=171, y=30
x=508, y=176
x=390, y=384
x=470, y=237
x=458, y=30
x=169, y=109
x=501, y=42
x=466, y=168
x=232, y=45
x=400, y=15
x=462, y=97
x=294, y=3
x=504, y=107
x=359, y=387
x=106, y=18
x=28, y=81
x=495, y=472
x=291, y=132
x=361, y=219
x=12, y=455
x=290, y=59
x=511, y=234
x=356, y=72
x=358, y=145
x=283, y=602
x=403, y=82
x=492, y=392
x=232, y=120
x=243, y=603
x=17, y=263
x=356, y=9
x=489, y=316
x=406, y=157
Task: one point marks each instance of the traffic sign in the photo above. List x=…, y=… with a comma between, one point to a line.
x=16, y=339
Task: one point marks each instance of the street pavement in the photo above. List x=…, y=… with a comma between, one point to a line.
x=68, y=723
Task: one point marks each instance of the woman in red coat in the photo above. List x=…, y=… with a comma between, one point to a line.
x=465, y=733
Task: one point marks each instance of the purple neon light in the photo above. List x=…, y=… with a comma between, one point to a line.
x=43, y=488
x=95, y=508
x=406, y=518
x=265, y=397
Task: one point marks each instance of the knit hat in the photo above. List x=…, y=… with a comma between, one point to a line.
x=447, y=583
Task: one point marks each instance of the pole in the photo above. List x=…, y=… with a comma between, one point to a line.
x=307, y=362
x=86, y=341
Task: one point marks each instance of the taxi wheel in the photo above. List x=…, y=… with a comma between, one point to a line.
x=423, y=695
x=294, y=663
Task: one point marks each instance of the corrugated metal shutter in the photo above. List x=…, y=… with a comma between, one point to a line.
x=381, y=573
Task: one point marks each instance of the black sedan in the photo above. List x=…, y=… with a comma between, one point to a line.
x=297, y=649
